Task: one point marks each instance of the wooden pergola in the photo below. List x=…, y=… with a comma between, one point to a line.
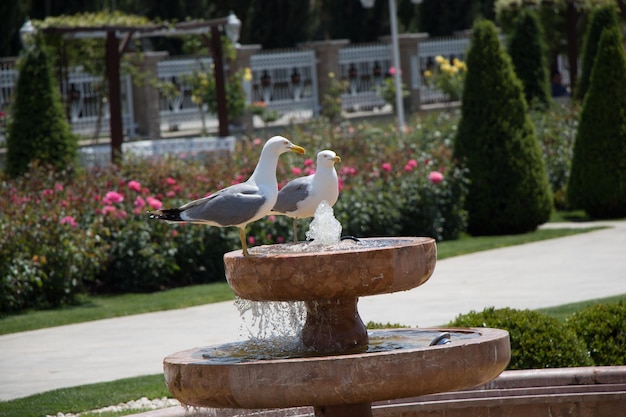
x=117, y=38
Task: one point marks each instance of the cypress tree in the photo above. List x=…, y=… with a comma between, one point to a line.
x=597, y=181
x=38, y=130
x=528, y=53
x=601, y=18
x=509, y=190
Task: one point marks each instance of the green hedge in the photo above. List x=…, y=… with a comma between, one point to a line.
x=537, y=340
x=603, y=328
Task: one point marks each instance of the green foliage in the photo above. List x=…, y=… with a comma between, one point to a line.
x=331, y=102
x=38, y=130
x=601, y=326
x=387, y=89
x=601, y=18
x=297, y=19
x=509, y=190
x=598, y=177
x=537, y=340
x=556, y=130
x=203, y=90
x=528, y=54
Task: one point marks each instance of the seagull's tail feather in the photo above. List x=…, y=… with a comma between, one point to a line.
x=169, y=215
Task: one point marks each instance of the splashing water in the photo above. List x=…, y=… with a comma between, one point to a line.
x=271, y=319
x=325, y=229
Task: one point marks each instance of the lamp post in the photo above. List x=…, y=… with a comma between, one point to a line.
x=395, y=58
x=27, y=35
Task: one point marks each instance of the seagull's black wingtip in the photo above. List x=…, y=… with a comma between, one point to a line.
x=170, y=215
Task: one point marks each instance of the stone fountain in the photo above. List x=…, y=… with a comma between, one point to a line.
x=340, y=375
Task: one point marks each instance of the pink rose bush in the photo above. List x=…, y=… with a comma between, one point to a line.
x=91, y=225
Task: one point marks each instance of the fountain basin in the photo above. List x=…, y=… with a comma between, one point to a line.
x=339, y=379
x=370, y=266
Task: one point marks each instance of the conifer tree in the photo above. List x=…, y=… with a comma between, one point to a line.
x=38, y=130
x=597, y=181
x=601, y=18
x=528, y=53
x=509, y=190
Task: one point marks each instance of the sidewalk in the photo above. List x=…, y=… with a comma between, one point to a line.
x=542, y=274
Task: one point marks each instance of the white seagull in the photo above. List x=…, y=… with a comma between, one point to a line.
x=238, y=204
x=300, y=197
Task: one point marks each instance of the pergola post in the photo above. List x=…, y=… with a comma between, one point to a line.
x=115, y=106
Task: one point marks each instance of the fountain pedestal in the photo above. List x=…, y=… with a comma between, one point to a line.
x=341, y=379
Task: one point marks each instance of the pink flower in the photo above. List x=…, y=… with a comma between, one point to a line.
x=386, y=167
x=154, y=203
x=408, y=168
x=435, y=177
x=309, y=171
x=108, y=209
x=412, y=163
x=280, y=239
x=170, y=181
x=308, y=162
x=47, y=193
x=174, y=232
x=296, y=171
x=69, y=220
x=256, y=141
x=271, y=218
x=251, y=240
x=58, y=187
x=140, y=202
x=134, y=185
x=170, y=194
x=114, y=197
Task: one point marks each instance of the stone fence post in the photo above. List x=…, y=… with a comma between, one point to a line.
x=146, y=98
x=327, y=53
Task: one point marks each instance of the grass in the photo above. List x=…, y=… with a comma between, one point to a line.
x=562, y=312
x=93, y=396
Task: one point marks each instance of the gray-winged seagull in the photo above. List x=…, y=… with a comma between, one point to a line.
x=300, y=197
x=238, y=204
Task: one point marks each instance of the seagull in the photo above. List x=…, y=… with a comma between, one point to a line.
x=300, y=197
x=238, y=204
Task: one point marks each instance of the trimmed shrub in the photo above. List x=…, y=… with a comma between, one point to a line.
x=601, y=18
x=537, y=340
x=38, y=129
x=598, y=178
x=509, y=190
x=528, y=54
x=603, y=329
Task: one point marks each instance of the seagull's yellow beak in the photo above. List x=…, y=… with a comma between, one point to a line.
x=337, y=158
x=297, y=149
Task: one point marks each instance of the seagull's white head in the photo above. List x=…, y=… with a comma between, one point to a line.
x=327, y=158
x=279, y=145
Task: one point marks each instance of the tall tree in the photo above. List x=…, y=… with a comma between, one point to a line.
x=528, y=53
x=598, y=176
x=601, y=18
x=280, y=23
x=509, y=190
x=38, y=130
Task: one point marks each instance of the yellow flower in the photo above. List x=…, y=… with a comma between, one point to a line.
x=428, y=74
x=446, y=67
x=331, y=75
x=195, y=99
x=247, y=74
x=439, y=59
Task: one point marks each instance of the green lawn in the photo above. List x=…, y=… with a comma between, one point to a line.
x=94, y=396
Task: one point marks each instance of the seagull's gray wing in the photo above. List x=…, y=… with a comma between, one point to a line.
x=231, y=206
x=291, y=194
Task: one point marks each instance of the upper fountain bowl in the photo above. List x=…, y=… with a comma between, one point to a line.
x=350, y=270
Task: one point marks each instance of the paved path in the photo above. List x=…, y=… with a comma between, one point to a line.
x=541, y=274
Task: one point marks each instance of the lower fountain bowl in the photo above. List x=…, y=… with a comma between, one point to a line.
x=340, y=379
